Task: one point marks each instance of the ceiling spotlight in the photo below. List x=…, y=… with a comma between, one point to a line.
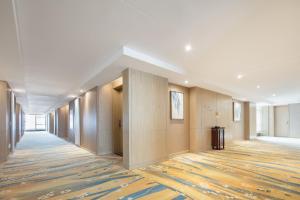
x=188, y=47
x=258, y=86
x=186, y=81
x=240, y=76
x=81, y=91
x=274, y=95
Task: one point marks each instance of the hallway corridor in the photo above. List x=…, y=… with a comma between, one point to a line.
x=47, y=167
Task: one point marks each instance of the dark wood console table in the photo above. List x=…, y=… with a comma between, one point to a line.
x=217, y=138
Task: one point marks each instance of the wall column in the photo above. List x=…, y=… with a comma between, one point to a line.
x=144, y=118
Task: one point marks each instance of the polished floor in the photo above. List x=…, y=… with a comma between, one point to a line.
x=46, y=167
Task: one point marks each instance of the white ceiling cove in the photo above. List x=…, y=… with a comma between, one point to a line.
x=51, y=49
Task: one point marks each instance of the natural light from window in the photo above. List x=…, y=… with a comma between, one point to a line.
x=35, y=122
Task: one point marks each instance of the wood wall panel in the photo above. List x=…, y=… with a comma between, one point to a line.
x=126, y=118
x=145, y=118
x=117, y=112
x=178, y=130
x=225, y=119
x=253, y=132
x=62, y=121
x=208, y=109
x=89, y=120
x=238, y=128
x=105, y=134
x=4, y=121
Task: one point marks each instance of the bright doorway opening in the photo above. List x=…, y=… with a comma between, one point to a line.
x=35, y=122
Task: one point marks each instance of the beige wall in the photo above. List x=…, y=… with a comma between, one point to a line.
x=253, y=120
x=4, y=121
x=178, y=130
x=105, y=143
x=208, y=109
x=250, y=120
x=145, y=118
x=89, y=120
x=237, y=132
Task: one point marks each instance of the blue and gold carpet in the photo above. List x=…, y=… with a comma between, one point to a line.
x=46, y=167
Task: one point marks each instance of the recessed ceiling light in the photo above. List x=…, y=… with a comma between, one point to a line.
x=188, y=47
x=240, y=76
x=274, y=95
x=81, y=91
x=258, y=86
x=186, y=81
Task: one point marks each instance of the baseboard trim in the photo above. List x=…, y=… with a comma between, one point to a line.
x=144, y=164
x=172, y=155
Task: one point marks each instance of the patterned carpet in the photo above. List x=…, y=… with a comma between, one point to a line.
x=46, y=167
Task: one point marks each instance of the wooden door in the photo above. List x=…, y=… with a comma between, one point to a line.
x=281, y=121
x=118, y=121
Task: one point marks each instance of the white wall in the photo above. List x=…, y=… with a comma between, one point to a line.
x=281, y=121
x=294, y=115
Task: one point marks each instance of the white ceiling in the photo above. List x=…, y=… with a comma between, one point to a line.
x=52, y=48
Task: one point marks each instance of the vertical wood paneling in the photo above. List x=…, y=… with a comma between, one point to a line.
x=208, y=109
x=238, y=131
x=117, y=112
x=178, y=130
x=4, y=121
x=62, y=121
x=126, y=118
x=247, y=120
x=88, y=125
x=105, y=134
x=145, y=111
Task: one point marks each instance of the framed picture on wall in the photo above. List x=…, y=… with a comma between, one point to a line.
x=237, y=110
x=176, y=105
